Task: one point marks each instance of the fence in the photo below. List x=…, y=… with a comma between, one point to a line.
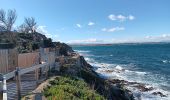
x=27, y=72
x=8, y=60
x=26, y=60
x=18, y=86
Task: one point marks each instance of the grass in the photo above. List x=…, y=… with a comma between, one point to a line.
x=69, y=88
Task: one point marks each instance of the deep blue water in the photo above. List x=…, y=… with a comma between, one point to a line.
x=145, y=63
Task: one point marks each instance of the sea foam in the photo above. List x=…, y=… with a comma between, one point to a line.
x=125, y=72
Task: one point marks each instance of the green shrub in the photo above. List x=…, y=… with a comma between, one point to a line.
x=69, y=88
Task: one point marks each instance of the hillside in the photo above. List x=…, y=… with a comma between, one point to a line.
x=30, y=42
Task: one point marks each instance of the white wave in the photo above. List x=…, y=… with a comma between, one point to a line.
x=89, y=59
x=118, y=71
x=81, y=51
x=118, y=67
x=104, y=65
x=141, y=73
x=166, y=61
x=136, y=72
x=149, y=94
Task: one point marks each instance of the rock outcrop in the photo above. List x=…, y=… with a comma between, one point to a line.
x=78, y=67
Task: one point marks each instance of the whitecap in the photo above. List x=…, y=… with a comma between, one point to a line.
x=89, y=59
x=97, y=64
x=81, y=51
x=140, y=73
x=118, y=67
x=165, y=61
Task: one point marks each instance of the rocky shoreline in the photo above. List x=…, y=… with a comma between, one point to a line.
x=117, y=88
x=139, y=86
x=105, y=87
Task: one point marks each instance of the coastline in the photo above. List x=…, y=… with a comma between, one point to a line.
x=115, y=90
x=138, y=89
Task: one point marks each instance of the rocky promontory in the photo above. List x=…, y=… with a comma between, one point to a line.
x=72, y=64
x=75, y=65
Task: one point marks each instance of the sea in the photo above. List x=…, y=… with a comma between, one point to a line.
x=145, y=63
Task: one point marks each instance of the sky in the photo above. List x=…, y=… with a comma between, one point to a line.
x=96, y=21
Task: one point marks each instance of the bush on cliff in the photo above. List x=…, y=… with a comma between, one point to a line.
x=69, y=88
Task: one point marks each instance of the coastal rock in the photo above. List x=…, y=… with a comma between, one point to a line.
x=117, y=81
x=159, y=93
x=104, y=86
x=85, y=71
x=109, y=71
x=143, y=88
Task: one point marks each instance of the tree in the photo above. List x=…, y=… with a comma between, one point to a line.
x=7, y=21
x=23, y=29
x=30, y=24
x=47, y=42
x=2, y=20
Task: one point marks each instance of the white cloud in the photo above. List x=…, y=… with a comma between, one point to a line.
x=14, y=27
x=48, y=35
x=113, y=29
x=112, y=17
x=94, y=41
x=130, y=17
x=104, y=29
x=56, y=35
x=42, y=30
x=91, y=23
x=78, y=25
x=91, y=40
x=148, y=37
x=120, y=17
x=165, y=35
x=160, y=38
x=116, y=29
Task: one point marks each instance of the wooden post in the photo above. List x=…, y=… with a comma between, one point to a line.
x=37, y=75
x=47, y=67
x=47, y=71
x=18, y=83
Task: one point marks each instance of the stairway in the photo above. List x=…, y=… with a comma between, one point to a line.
x=28, y=76
x=26, y=87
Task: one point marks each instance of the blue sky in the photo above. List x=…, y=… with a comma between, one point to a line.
x=97, y=21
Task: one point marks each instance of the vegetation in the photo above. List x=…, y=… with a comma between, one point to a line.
x=70, y=88
x=24, y=38
x=29, y=26
x=7, y=20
